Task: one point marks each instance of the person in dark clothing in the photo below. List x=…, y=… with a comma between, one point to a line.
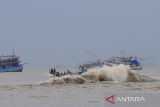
x=57, y=74
x=51, y=71
x=54, y=71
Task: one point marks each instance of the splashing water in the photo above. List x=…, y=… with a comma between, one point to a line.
x=106, y=73
x=120, y=73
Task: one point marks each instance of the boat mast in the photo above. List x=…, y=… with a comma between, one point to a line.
x=13, y=52
x=122, y=52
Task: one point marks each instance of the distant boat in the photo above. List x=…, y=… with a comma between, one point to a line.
x=132, y=62
x=10, y=63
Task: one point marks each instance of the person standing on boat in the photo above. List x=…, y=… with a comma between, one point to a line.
x=51, y=71
x=54, y=71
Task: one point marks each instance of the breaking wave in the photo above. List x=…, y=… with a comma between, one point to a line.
x=120, y=73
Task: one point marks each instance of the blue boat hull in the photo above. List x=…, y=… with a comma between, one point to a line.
x=13, y=69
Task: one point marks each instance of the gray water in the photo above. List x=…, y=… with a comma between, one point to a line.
x=25, y=90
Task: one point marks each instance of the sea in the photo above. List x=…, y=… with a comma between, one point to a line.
x=38, y=88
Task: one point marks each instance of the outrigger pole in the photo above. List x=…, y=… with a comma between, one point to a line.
x=150, y=57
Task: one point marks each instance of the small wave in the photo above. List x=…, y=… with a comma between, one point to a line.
x=120, y=73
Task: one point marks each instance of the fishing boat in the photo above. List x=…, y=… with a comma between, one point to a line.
x=10, y=63
x=131, y=61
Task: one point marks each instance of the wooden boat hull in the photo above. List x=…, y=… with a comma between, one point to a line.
x=13, y=69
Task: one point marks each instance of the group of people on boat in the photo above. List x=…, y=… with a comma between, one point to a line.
x=58, y=74
x=9, y=61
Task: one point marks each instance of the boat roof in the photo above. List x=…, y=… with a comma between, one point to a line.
x=7, y=56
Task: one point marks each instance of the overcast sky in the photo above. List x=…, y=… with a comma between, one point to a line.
x=55, y=32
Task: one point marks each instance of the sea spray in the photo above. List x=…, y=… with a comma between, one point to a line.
x=107, y=73
x=119, y=73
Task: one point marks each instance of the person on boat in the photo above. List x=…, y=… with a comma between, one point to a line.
x=51, y=71
x=57, y=74
x=54, y=71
